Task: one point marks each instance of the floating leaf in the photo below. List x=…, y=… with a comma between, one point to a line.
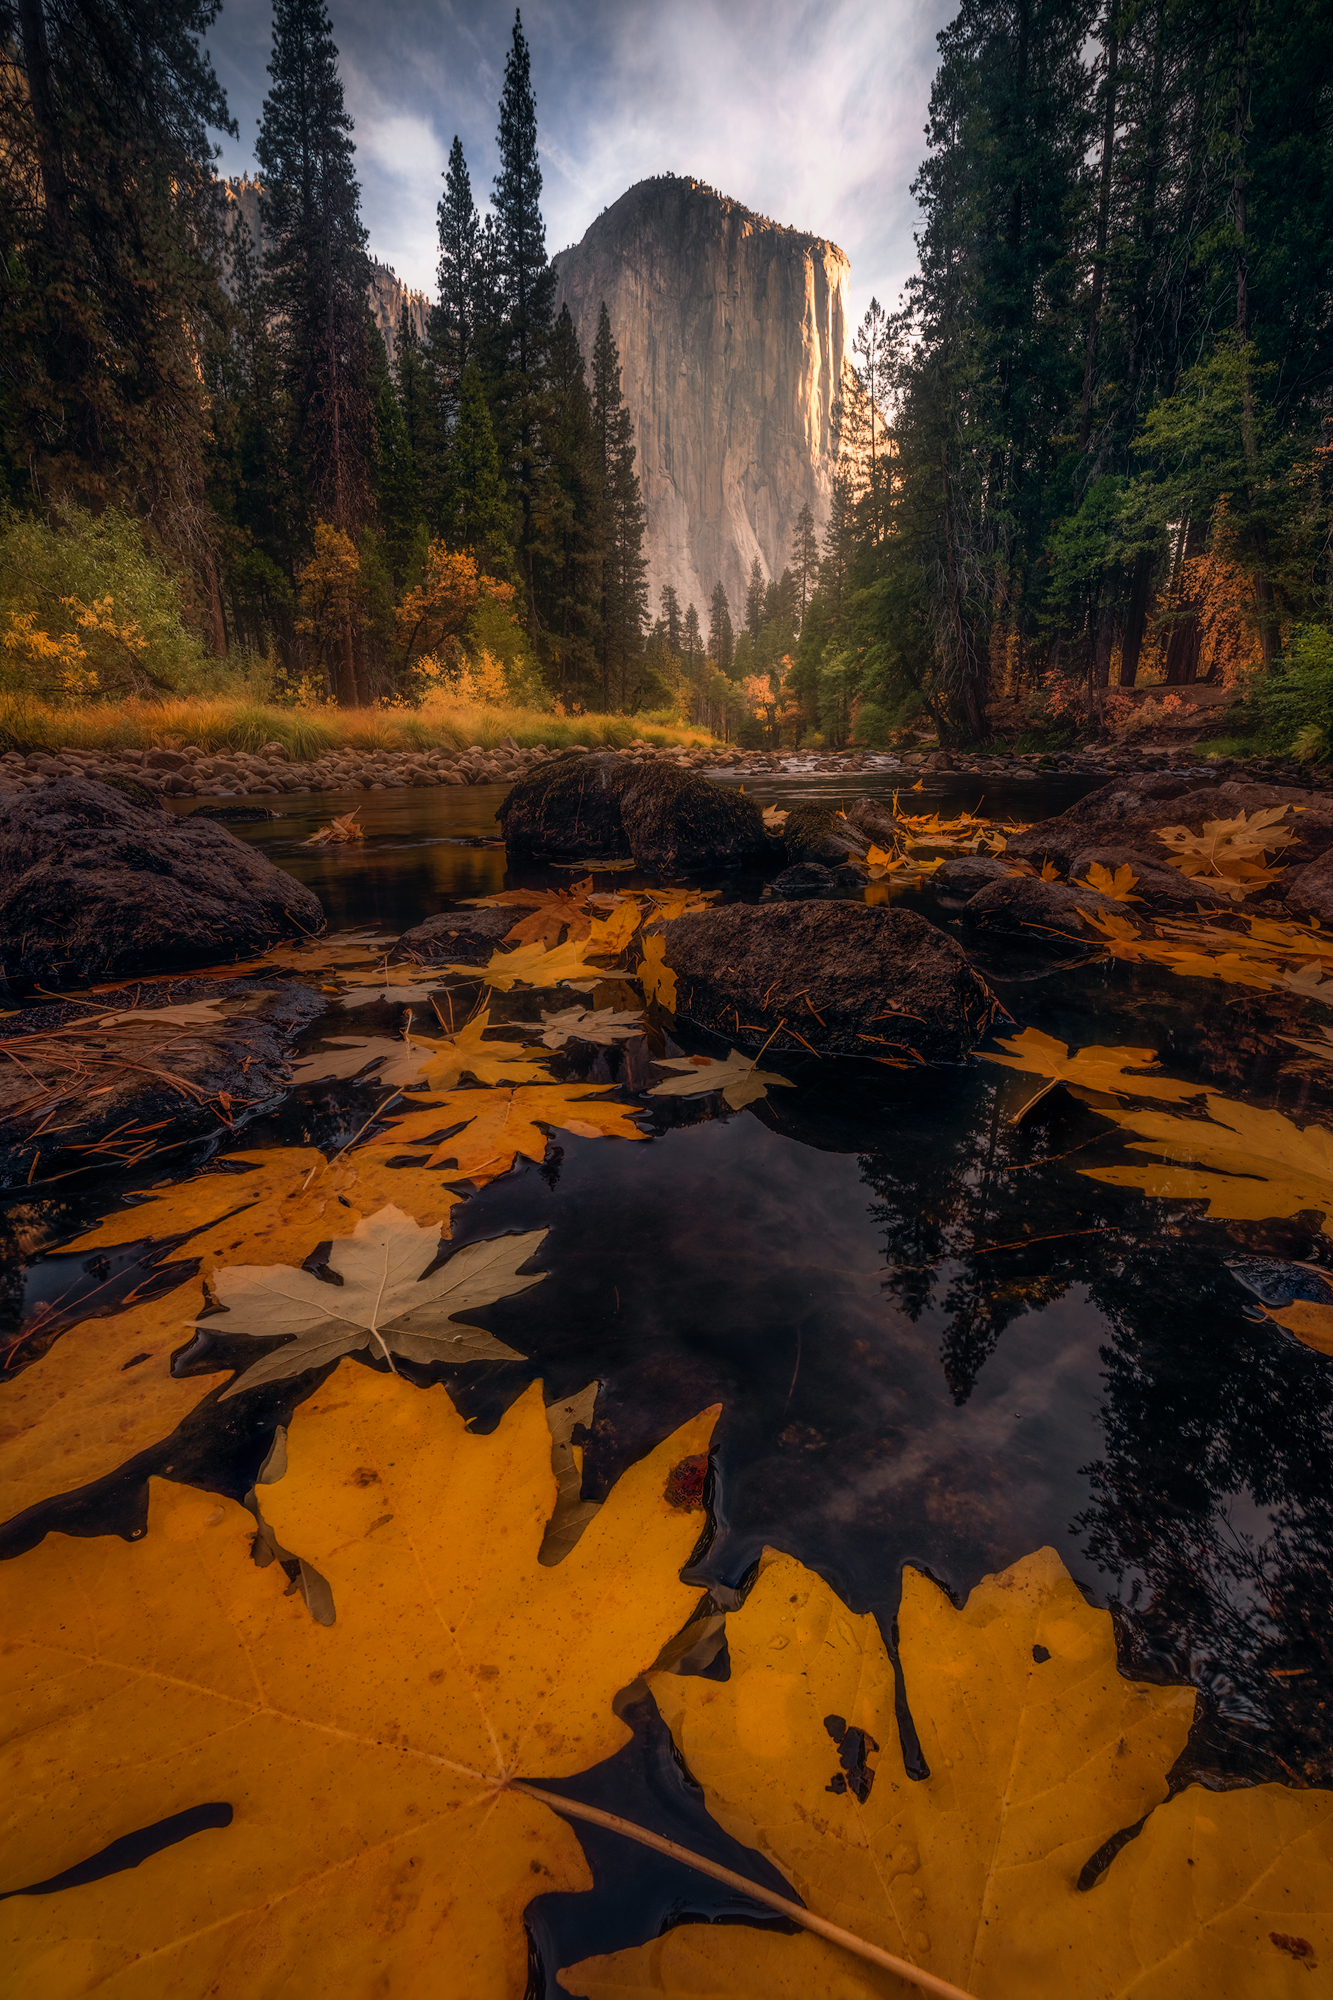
x=1248, y=1164
x=402, y=983
x=1095, y=1068
x=572, y=1512
x=345, y=949
x=467, y=1053
x=1039, y=1751
x=608, y=936
x=737, y=1078
x=101, y=1394
x=397, y=1060
x=381, y=1302
x=529, y=965
x=1115, y=887
x=342, y=827
x=655, y=975
x=775, y=817
x=498, y=1124
x=371, y=1841
x=606, y=1026
x=551, y=913
x=1308, y=1321
x=1323, y=1050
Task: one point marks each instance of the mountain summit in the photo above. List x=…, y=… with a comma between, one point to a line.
x=732, y=333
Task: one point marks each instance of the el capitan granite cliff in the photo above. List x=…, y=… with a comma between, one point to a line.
x=732, y=333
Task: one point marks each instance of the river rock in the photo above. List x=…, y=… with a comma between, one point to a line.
x=820, y=833
x=148, y=1076
x=609, y=807
x=964, y=875
x=804, y=878
x=1310, y=892
x=848, y=979
x=874, y=820
x=1025, y=906
x=1157, y=886
x=95, y=886
x=468, y=937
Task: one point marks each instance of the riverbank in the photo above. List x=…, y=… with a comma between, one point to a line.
x=271, y=769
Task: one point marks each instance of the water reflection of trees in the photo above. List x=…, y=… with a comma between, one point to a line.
x=1211, y=1520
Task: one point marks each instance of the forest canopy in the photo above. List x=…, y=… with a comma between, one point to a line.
x=1089, y=450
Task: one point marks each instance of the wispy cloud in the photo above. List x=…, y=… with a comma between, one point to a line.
x=810, y=113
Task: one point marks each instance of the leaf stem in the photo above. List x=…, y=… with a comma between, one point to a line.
x=926, y=1981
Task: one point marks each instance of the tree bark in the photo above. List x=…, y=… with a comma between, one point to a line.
x=1136, y=619
x=1103, y=225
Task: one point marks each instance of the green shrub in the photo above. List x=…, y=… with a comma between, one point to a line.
x=87, y=613
x=1293, y=702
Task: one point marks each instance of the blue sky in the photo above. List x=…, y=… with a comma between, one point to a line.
x=809, y=113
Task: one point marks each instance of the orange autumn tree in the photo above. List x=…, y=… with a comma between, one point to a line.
x=429, y=621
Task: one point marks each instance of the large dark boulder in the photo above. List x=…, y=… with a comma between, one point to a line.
x=608, y=807
x=1309, y=892
x=96, y=886
x=1129, y=812
x=847, y=980
x=1158, y=887
x=874, y=820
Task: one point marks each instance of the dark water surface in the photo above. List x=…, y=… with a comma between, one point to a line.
x=934, y=1340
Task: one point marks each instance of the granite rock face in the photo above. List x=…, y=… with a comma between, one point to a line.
x=732, y=333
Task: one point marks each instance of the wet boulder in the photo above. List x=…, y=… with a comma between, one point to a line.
x=965, y=874
x=821, y=834
x=1130, y=813
x=874, y=821
x=465, y=937
x=804, y=878
x=1157, y=886
x=96, y=886
x=1025, y=906
x=1309, y=892
x=838, y=978
x=609, y=807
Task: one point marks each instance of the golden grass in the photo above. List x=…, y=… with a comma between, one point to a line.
x=238, y=724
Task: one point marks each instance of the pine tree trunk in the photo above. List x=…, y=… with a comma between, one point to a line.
x=1103, y=220
x=1136, y=619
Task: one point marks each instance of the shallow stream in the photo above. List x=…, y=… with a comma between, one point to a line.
x=934, y=1340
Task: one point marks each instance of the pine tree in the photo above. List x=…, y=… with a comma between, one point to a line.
x=671, y=624
x=624, y=570
x=721, y=637
x=108, y=228
x=476, y=510
x=414, y=378
x=527, y=292
x=754, y=601
x=315, y=260
x=398, y=500
x=570, y=519
x=805, y=556
x=454, y=322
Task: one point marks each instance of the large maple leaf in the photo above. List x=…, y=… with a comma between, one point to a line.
x=371, y=1846
x=1102, y=1070
x=385, y=1299
x=1247, y=1163
x=500, y=1124
x=1039, y=1751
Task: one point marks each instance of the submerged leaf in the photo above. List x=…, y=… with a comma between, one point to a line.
x=396, y=1060
x=467, y=1053
x=498, y=1124
x=737, y=1078
x=1039, y=1751
x=381, y=1301
x=371, y=1845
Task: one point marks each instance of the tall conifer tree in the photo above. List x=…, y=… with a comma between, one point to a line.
x=454, y=327
x=571, y=518
x=108, y=222
x=315, y=259
x=721, y=636
x=527, y=292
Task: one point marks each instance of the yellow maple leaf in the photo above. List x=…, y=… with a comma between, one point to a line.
x=498, y=1124
x=531, y=965
x=655, y=976
x=467, y=1053
x=1116, y=887
x=1230, y=853
x=372, y=1837
x=608, y=936
x=1038, y=1749
x=1094, y=1069
x=1049, y=872
x=101, y=1394
x=1247, y=1163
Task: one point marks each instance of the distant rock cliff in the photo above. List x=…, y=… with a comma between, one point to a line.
x=732, y=333
x=388, y=295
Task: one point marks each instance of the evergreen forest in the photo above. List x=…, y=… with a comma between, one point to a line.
x=1088, y=451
